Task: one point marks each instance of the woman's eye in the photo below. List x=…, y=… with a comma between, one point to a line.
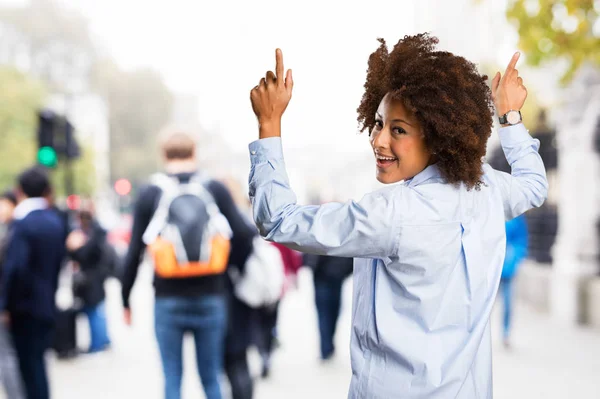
x=399, y=130
x=379, y=124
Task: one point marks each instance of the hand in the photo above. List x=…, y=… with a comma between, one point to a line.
x=508, y=92
x=271, y=97
x=76, y=240
x=127, y=316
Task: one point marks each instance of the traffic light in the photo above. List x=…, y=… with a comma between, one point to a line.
x=47, y=157
x=56, y=138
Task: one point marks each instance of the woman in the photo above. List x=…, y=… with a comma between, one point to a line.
x=430, y=248
x=87, y=246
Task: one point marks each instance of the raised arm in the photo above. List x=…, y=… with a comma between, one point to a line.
x=526, y=187
x=351, y=229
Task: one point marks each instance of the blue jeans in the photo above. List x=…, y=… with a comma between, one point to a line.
x=328, y=297
x=506, y=286
x=206, y=318
x=32, y=338
x=98, y=332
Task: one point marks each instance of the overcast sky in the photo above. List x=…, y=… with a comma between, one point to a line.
x=218, y=50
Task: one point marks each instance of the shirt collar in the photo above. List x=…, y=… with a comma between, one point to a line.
x=29, y=205
x=430, y=172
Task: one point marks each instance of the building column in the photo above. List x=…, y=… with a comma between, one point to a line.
x=576, y=250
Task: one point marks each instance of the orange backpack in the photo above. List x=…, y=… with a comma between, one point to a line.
x=187, y=236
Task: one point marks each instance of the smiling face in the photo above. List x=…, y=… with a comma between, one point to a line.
x=398, y=142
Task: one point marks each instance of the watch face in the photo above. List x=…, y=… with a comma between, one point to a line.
x=513, y=117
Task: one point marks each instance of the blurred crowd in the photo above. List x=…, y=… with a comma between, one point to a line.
x=214, y=277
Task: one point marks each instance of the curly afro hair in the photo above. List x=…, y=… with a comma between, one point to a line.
x=451, y=100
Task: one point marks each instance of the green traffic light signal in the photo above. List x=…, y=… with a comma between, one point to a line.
x=47, y=157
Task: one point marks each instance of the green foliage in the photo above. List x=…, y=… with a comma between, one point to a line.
x=83, y=171
x=20, y=98
x=558, y=29
x=57, y=40
x=64, y=57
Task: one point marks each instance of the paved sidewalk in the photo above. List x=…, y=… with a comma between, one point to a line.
x=547, y=361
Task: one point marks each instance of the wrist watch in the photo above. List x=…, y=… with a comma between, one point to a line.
x=512, y=117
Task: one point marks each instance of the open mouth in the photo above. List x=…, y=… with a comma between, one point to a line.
x=384, y=162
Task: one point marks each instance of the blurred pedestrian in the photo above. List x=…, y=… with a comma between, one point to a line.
x=88, y=247
x=516, y=252
x=329, y=274
x=185, y=218
x=32, y=261
x=265, y=318
x=428, y=247
x=10, y=374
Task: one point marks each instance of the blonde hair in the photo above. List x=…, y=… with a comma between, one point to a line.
x=177, y=144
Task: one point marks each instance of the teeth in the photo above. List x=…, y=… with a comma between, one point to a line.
x=385, y=158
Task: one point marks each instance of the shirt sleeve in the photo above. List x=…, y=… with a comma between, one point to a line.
x=351, y=229
x=526, y=186
x=143, y=210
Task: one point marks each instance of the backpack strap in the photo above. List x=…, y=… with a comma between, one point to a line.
x=219, y=224
x=197, y=186
x=170, y=189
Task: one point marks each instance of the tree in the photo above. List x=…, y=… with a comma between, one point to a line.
x=84, y=173
x=57, y=48
x=20, y=98
x=53, y=45
x=49, y=42
x=558, y=29
x=140, y=105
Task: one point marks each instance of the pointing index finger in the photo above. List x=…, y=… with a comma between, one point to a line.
x=279, y=66
x=513, y=62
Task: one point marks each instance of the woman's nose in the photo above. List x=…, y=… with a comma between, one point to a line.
x=380, y=138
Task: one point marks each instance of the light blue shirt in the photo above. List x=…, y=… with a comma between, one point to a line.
x=428, y=262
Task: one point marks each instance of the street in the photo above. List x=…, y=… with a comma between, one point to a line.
x=547, y=361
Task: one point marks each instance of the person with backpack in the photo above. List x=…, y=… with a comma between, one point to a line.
x=193, y=231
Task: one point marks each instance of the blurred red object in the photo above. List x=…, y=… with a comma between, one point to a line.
x=73, y=202
x=123, y=186
x=292, y=262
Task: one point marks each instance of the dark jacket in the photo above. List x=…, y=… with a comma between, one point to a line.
x=146, y=204
x=329, y=267
x=88, y=282
x=31, y=266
